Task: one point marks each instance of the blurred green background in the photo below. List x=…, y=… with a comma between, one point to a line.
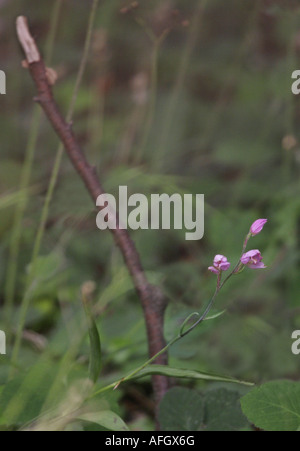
x=178, y=96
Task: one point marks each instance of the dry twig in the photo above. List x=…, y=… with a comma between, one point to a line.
x=152, y=299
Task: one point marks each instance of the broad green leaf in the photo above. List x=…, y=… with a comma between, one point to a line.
x=223, y=411
x=186, y=374
x=181, y=409
x=105, y=418
x=274, y=406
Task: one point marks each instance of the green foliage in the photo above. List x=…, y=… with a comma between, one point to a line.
x=274, y=406
x=106, y=419
x=95, y=343
x=183, y=409
x=222, y=109
x=186, y=374
x=23, y=397
x=223, y=411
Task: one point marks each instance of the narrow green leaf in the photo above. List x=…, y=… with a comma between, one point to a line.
x=105, y=418
x=215, y=316
x=95, y=343
x=186, y=374
x=11, y=199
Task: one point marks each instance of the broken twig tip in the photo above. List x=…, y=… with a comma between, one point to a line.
x=26, y=40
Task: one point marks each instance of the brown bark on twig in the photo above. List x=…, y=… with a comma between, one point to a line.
x=152, y=299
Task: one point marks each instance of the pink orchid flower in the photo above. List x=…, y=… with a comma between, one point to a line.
x=253, y=259
x=257, y=226
x=220, y=264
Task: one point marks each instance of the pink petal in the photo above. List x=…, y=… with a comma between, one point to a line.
x=225, y=266
x=219, y=259
x=259, y=265
x=257, y=226
x=213, y=269
x=245, y=259
x=251, y=255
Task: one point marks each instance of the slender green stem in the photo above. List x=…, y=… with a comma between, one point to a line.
x=15, y=240
x=287, y=163
x=157, y=42
x=148, y=30
x=54, y=176
x=173, y=105
x=206, y=311
x=116, y=384
x=152, y=105
x=59, y=153
x=235, y=269
x=53, y=30
x=84, y=58
x=182, y=333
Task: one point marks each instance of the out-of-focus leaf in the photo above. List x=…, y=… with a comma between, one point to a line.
x=65, y=411
x=47, y=266
x=22, y=398
x=120, y=285
x=223, y=411
x=106, y=419
x=10, y=199
x=181, y=409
